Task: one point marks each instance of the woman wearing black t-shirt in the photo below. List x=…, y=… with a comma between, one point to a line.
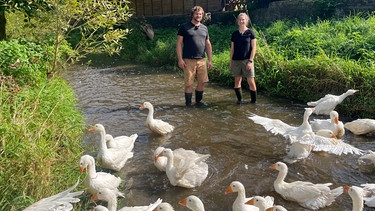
x=242, y=52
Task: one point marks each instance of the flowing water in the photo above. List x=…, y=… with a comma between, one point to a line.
x=240, y=150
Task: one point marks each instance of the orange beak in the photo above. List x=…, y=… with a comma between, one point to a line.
x=334, y=136
x=273, y=166
x=142, y=106
x=94, y=197
x=269, y=209
x=157, y=157
x=346, y=188
x=229, y=190
x=312, y=109
x=92, y=128
x=183, y=202
x=251, y=201
x=336, y=120
x=81, y=170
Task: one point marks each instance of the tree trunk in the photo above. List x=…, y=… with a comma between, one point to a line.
x=3, y=22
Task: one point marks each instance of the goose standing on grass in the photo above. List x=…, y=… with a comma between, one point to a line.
x=94, y=181
x=61, y=201
x=306, y=194
x=325, y=105
x=333, y=124
x=276, y=208
x=113, y=158
x=356, y=194
x=241, y=199
x=156, y=125
x=261, y=202
x=164, y=207
x=193, y=203
x=107, y=195
x=361, y=126
x=179, y=155
x=188, y=172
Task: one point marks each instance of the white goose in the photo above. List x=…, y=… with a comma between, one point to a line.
x=120, y=141
x=361, y=126
x=106, y=194
x=156, y=125
x=326, y=141
x=179, y=155
x=61, y=201
x=113, y=158
x=261, y=202
x=188, y=173
x=328, y=103
x=369, y=156
x=369, y=194
x=94, y=181
x=276, y=208
x=193, y=203
x=356, y=193
x=333, y=124
x=241, y=199
x=306, y=194
x=164, y=207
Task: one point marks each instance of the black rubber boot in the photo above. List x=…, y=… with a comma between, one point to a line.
x=188, y=97
x=253, y=95
x=239, y=95
x=198, y=97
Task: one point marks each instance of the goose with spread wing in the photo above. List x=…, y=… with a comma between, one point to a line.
x=333, y=124
x=156, y=125
x=307, y=194
x=107, y=195
x=61, y=201
x=116, y=157
x=188, y=172
x=326, y=104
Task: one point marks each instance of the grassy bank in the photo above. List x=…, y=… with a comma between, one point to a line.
x=302, y=62
x=40, y=127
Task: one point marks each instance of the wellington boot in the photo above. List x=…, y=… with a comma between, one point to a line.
x=198, y=97
x=253, y=95
x=239, y=95
x=188, y=97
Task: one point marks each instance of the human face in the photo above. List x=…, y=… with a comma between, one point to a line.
x=242, y=21
x=197, y=16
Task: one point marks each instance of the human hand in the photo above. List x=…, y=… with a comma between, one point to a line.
x=181, y=64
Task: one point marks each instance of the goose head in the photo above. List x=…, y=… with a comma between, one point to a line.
x=85, y=161
x=147, y=105
x=164, y=207
x=97, y=127
x=326, y=133
x=235, y=186
x=192, y=202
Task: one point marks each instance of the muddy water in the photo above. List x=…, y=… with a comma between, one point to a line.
x=240, y=150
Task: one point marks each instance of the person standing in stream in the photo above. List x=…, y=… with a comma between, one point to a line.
x=193, y=42
x=242, y=53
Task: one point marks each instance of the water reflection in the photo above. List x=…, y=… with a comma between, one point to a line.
x=240, y=150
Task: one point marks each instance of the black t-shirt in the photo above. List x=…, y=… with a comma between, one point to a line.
x=194, y=42
x=242, y=44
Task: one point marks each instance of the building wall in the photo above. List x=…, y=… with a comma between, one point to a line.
x=148, y=8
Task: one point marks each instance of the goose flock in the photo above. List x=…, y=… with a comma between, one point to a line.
x=188, y=169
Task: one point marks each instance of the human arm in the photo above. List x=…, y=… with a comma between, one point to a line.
x=209, y=53
x=181, y=62
x=231, y=55
x=250, y=63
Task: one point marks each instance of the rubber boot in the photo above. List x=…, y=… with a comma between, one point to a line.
x=198, y=97
x=239, y=95
x=253, y=95
x=188, y=97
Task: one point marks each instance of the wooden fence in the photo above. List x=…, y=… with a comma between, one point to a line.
x=148, y=8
